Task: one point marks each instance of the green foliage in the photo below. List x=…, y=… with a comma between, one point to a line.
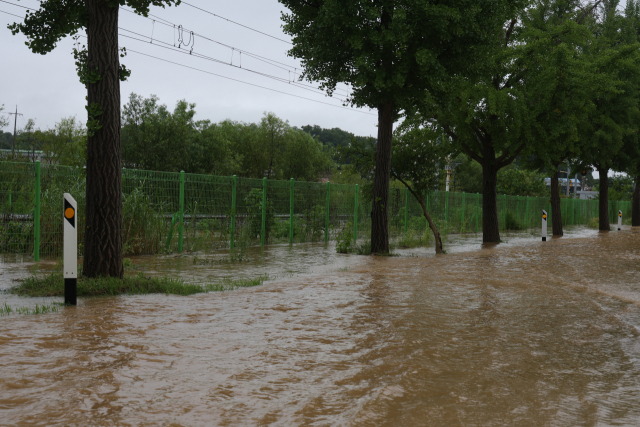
x=344, y=240
x=512, y=222
x=65, y=144
x=468, y=175
x=56, y=19
x=154, y=138
x=253, y=203
x=520, y=182
x=53, y=286
x=416, y=236
x=384, y=50
x=621, y=188
x=7, y=310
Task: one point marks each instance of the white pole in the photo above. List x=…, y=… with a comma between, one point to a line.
x=70, y=250
x=544, y=225
x=619, y=220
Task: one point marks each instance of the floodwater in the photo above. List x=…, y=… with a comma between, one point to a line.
x=524, y=333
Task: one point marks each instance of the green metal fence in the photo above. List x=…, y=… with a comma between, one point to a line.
x=167, y=212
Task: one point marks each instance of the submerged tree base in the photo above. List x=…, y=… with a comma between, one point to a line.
x=53, y=286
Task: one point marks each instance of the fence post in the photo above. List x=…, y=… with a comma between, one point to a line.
x=233, y=211
x=181, y=224
x=526, y=212
x=477, y=210
x=464, y=197
x=263, y=229
x=291, y=185
x=406, y=211
x=505, y=213
x=36, y=216
x=326, y=218
x=355, y=215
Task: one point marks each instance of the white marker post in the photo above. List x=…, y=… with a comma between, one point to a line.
x=70, y=250
x=544, y=225
x=619, y=220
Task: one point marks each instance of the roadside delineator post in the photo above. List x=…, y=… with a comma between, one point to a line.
x=619, y=220
x=544, y=225
x=70, y=250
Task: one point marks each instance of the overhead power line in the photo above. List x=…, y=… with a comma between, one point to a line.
x=14, y=4
x=236, y=23
x=168, y=46
x=269, y=61
x=214, y=74
x=292, y=70
x=247, y=83
x=12, y=14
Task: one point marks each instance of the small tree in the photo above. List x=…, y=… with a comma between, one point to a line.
x=99, y=69
x=391, y=52
x=417, y=154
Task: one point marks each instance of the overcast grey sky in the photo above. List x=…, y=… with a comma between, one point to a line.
x=46, y=87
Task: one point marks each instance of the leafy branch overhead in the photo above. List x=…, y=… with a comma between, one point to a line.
x=57, y=19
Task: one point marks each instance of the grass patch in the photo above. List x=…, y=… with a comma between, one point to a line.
x=53, y=286
x=414, y=239
x=594, y=223
x=7, y=310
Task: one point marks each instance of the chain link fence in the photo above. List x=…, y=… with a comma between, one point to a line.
x=167, y=212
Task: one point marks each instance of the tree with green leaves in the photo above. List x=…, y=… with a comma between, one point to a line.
x=609, y=132
x=390, y=53
x=99, y=69
x=502, y=114
x=65, y=143
x=4, y=121
x=418, y=153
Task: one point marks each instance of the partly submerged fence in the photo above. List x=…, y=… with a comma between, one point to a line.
x=175, y=212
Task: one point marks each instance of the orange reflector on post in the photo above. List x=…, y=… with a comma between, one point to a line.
x=69, y=213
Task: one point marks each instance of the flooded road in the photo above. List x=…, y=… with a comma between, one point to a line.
x=524, y=333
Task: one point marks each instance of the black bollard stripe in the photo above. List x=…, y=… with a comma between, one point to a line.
x=71, y=291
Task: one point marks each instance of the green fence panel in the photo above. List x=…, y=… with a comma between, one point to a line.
x=170, y=212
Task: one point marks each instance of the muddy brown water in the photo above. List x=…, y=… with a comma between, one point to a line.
x=524, y=333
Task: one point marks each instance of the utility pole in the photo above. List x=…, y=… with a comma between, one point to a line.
x=15, y=125
x=568, y=179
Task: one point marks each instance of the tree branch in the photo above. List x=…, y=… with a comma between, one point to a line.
x=505, y=159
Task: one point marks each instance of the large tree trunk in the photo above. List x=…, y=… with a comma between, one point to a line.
x=604, y=199
x=490, y=222
x=556, y=214
x=103, y=216
x=635, y=208
x=380, y=202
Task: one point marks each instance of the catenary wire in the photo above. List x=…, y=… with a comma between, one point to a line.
x=236, y=23
x=168, y=46
x=12, y=14
x=264, y=59
x=224, y=77
x=250, y=84
x=281, y=65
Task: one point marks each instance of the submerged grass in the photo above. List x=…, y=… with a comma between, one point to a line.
x=53, y=286
x=7, y=310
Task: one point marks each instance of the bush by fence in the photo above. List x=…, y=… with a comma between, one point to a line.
x=173, y=212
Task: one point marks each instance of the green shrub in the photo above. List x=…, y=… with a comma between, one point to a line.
x=344, y=240
x=512, y=222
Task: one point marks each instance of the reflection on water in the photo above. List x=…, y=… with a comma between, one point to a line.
x=523, y=333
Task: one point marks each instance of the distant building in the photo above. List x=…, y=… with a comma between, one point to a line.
x=574, y=184
x=586, y=195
